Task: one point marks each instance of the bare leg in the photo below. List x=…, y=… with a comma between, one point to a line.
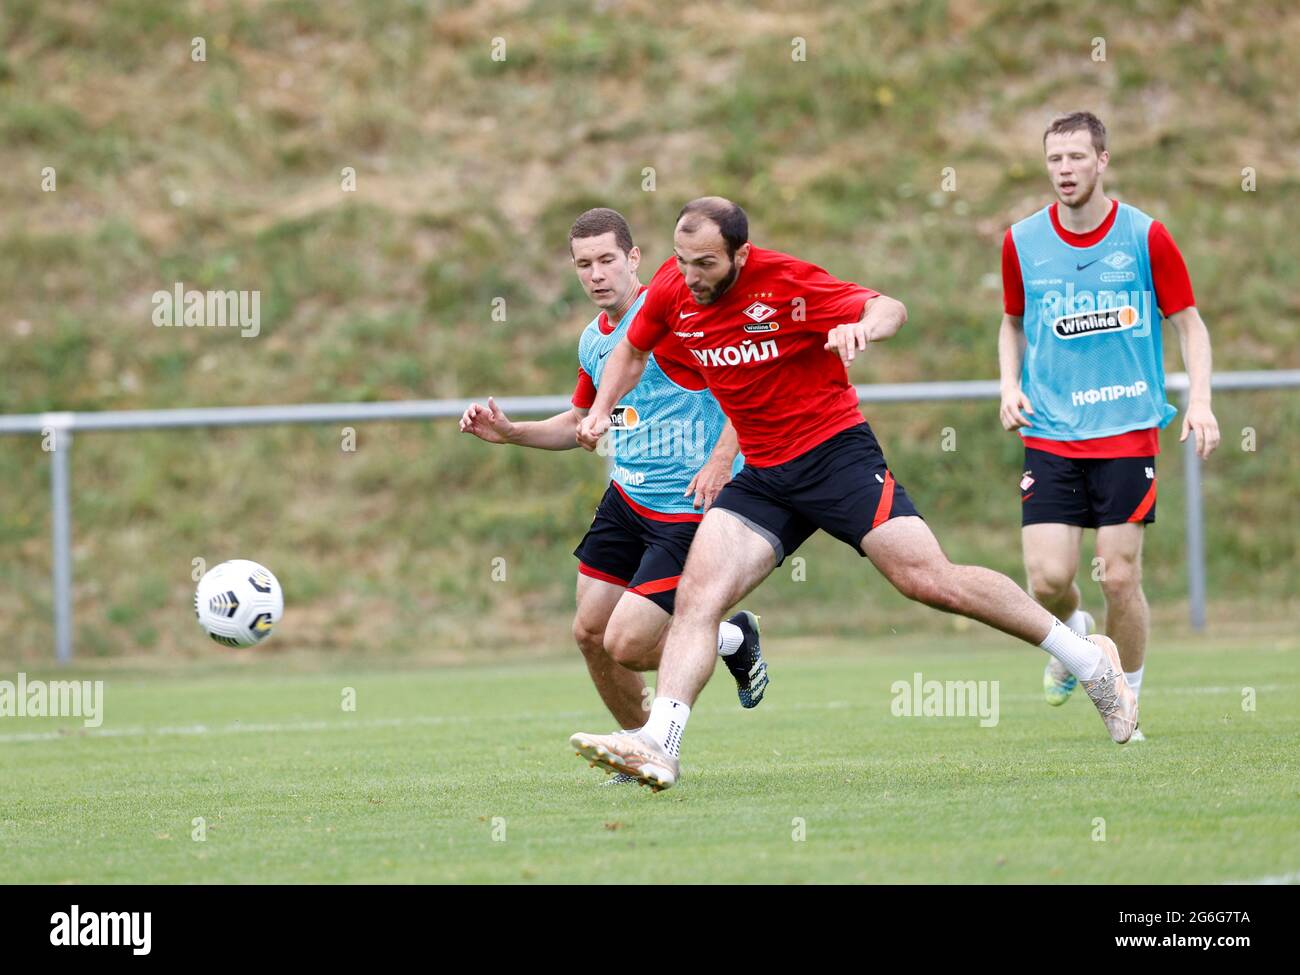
x=636, y=631
x=727, y=560
x=908, y=555
x=1128, y=618
x=1051, y=562
x=620, y=688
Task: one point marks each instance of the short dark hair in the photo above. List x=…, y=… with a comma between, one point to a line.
x=730, y=218
x=1077, y=122
x=602, y=220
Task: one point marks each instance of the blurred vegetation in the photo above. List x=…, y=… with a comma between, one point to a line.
x=227, y=174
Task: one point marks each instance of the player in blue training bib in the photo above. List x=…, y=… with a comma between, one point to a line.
x=1087, y=282
x=663, y=433
x=1093, y=363
x=672, y=450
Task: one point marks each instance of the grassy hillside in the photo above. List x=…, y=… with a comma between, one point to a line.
x=228, y=173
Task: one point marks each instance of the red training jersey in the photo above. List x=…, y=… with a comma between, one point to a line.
x=1173, y=294
x=760, y=349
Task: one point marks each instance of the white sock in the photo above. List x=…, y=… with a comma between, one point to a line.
x=730, y=637
x=666, y=724
x=1081, y=657
x=1077, y=623
x=1135, y=680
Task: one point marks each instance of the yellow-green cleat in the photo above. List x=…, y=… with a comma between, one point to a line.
x=1058, y=682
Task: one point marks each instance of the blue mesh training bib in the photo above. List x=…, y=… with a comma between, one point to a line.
x=1093, y=364
x=669, y=433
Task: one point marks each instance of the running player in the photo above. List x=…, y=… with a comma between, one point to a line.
x=673, y=455
x=774, y=335
x=1085, y=283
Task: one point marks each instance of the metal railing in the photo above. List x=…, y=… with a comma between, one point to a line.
x=60, y=427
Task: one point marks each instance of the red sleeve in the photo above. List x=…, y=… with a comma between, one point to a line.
x=584, y=394
x=1013, y=285
x=1168, y=271
x=651, y=323
x=830, y=301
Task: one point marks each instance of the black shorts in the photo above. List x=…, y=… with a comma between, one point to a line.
x=627, y=548
x=841, y=486
x=1088, y=492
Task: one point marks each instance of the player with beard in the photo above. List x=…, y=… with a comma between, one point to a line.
x=773, y=336
x=1085, y=283
x=672, y=457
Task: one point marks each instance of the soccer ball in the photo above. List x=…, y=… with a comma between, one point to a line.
x=238, y=602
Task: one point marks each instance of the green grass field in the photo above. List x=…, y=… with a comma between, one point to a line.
x=413, y=785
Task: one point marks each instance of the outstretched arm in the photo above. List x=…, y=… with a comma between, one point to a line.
x=490, y=423
x=882, y=317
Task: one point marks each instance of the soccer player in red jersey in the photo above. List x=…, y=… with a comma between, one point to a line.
x=1085, y=283
x=773, y=337
x=632, y=556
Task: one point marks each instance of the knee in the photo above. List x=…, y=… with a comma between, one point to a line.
x=590, y=641
x=1120, y=578
x=1050, y=582
x=625, y=645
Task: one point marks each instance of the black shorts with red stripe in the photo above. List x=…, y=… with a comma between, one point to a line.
x=635, y=549
x=842, y=486
x=1088, y=492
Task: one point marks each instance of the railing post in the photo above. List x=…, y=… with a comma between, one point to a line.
x=61, y=519
x=1195, y=529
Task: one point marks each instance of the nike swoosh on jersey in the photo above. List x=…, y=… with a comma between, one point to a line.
x=1080, y=267
x=687, y=314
